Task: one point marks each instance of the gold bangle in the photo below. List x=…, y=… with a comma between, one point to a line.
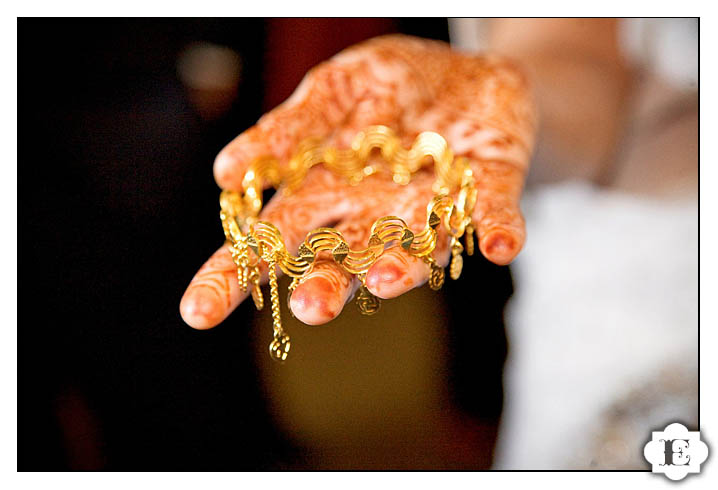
x=252, y=241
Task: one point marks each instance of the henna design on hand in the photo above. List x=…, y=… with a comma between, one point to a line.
x=480, y=104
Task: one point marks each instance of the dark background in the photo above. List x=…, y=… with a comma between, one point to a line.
x=118, y=208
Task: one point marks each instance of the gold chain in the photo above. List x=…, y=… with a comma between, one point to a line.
x=252, y=241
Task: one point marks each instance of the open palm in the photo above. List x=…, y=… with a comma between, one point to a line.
x=480, y=104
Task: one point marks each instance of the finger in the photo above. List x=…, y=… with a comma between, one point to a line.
x=499, y=160
x=502, y=234
x=485, y=111
x=397, y=272
x=323, y=293
x=213, y=293
x=499, y=223
x=327, y=287
x=318, y=105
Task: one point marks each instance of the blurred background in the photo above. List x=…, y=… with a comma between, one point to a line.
x=119, y=122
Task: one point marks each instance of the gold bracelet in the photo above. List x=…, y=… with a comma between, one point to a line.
x=252, y=241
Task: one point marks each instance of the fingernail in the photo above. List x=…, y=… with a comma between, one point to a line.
x=500, y=247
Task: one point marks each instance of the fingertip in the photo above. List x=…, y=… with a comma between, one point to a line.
x=385, y=271
x=391, y=275
x=316, y=301
x=201, y=308
x=225, y=170
x=501, y=246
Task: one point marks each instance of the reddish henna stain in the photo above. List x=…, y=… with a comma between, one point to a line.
x=218, y=282
x=499, y=247
x=312, y=301
x=386, y=271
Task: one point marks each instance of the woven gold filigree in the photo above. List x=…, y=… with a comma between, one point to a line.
x=252, y=241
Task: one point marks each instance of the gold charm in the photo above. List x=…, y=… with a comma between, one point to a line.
x=239, y=257
x=340, y=252
x=436, y=276
x=306, y=254
x=406, y=238
x=292, y=286
x=256, y=289
x=367, y=303
x=242, y=278
x=434, y=220
x=257, y=297
x=457, y=261
x=279, y=347
x=457, y=264
x=469, y=239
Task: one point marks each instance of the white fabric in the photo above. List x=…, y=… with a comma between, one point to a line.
x=666, y=47
x=606, y=296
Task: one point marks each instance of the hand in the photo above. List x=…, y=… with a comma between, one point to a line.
x=481, y=105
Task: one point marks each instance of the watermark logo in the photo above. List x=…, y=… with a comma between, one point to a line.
x=675, y=451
